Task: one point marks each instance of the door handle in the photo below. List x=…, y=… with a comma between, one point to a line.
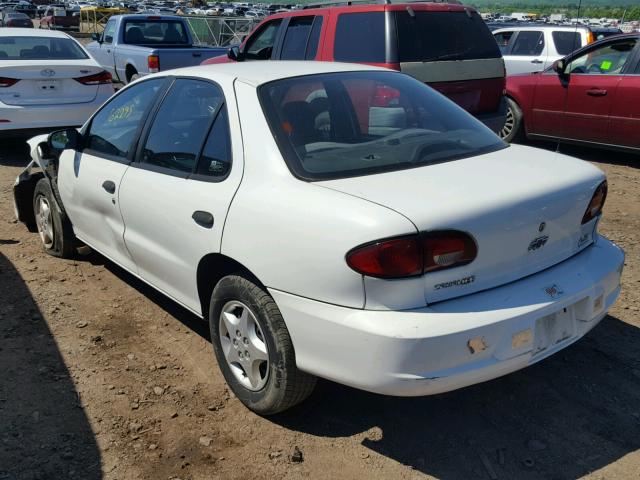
x=596, y=92
x=204, y=219
x=537, y=60
x=109, y=186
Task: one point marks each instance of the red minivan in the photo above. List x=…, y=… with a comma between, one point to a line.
x=590, y=97
x=446, y=45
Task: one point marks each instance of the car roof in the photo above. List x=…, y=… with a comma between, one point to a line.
x=559, y=28
x=31, y=32
x=255, y=73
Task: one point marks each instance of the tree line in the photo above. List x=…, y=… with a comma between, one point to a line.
x=600, y=10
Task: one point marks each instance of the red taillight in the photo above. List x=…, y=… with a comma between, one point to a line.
x=8, y=82
x=96, y=79
x=153, y=63
x=413, y=255
x=596, y=204
x=398, y=257
x=590, y=37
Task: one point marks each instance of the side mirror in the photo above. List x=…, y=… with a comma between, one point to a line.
x=96, y=37
x=559, y=66
x=64, y=139
x=235, y=54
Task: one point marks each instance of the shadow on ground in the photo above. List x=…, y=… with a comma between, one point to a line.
x=44, y=432
x=14, y=153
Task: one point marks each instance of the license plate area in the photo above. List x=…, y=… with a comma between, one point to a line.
x=47, y=86
x=554, y=329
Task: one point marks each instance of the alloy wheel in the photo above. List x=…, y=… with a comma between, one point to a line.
x=244, y=345
x=44, y=221
x=509, y=124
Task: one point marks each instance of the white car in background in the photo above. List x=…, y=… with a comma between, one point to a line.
x=47, y=81
x=531, y=49
x=332, y=220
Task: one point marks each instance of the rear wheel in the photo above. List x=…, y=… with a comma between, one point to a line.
x=512, y=129
x=132, y=75
x=53, y=226
x=253, y=347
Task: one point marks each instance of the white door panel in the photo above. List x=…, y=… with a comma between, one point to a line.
x=95, y=212
x=163, y=238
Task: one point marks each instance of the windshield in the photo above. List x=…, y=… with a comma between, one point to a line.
x=154, y=32
x=357, y=123
x=40, y=48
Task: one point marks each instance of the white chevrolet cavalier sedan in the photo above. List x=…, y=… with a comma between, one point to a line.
x=332, y=220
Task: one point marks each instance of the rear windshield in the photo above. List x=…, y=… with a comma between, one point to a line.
x=153, y=32
x=357, y=123
x=433, y=36
x=40, y=48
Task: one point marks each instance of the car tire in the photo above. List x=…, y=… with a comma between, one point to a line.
x=53, y=225
x=512, y=130
x=265, y=386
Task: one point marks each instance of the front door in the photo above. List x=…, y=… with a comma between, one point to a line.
x=90, y=179
x=175, y=198
x=104, y=53
x=594, y=77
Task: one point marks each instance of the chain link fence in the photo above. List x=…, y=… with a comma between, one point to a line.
x=219, y=31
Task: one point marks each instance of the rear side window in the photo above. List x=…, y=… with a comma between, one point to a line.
x=360, y=37
x=566, y=42
x=181, y=125
x=528, y=44
x=301, y=39
x=433, y=36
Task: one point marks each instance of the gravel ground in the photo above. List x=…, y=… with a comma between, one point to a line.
x=104, y=378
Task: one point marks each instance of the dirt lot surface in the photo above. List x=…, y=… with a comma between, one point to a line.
x=101, y=377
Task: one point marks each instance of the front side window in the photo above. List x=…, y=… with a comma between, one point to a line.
x=434, y=36
x=360, y=37
x=113, y=129
x=566, y=42
x=154, y=32
x=609, y=59
x=109, y=31
x=260, y=46
x=358, y=123
x=528, y=44
x=40, y=48
x=181, y=125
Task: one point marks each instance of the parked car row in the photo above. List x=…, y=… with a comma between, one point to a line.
x=422, y=253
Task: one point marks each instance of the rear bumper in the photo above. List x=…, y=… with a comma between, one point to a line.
x=495, y=120
x=30, y=119
x=459, y=342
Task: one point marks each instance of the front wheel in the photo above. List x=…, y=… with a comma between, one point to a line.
x=253, y=347
x=54, y=228
x=512, y=129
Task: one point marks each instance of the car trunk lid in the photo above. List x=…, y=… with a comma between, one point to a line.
x=523, y=209
x=45, y=82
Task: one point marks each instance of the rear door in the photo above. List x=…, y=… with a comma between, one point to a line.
x=175, y=198
x=594, y=76
x=89, y=180
x=528, y=53
x=625, y=109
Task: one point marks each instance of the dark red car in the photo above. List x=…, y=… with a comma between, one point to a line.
x=590, y=97
x=445, y=44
